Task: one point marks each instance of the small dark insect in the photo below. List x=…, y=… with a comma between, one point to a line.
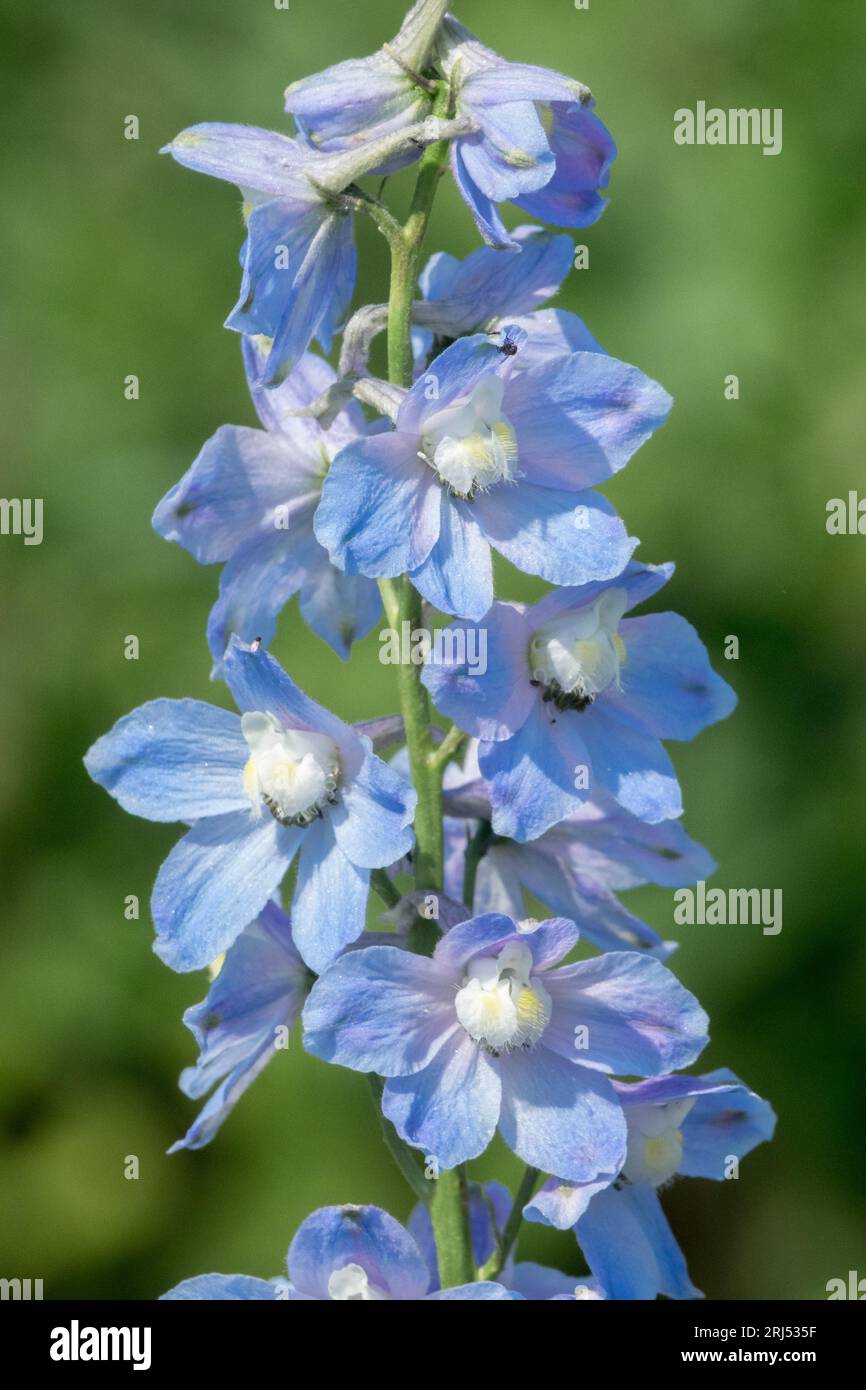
x=508, y=349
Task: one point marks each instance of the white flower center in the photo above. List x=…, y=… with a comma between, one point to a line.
x=294, y=773
x=578, y=655
x=499, y=1003
x=471, y=444
x=655, y=1141
x=351, y=1285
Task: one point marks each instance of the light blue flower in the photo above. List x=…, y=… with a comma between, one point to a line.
x=249, y=1010
x=344, y=1255
x=248, y=502
x=484, y=455
x=486, y=291
x=286, y=778
x=486, y=1035
x=576, y=868
x=299, y=255
x=694, y=1126
x=576, y=698
x=365, y=98
x=535, y=140
x=539, y=144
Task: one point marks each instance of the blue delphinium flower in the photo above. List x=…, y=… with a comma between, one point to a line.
x=343, y=1255
x=694, y=1126
x=486, y=1035
x=484, y=455
x=539, y=144
x=248, y=501
x=576, y=699
x=299, y=255
x=489, y=1208
x=253, y=1002
x=287, y=777
x=536, y=141
x=576, y=868
x=365, y=98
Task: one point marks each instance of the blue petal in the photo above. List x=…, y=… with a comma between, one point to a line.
x=173, y=760
x=559, y=1117
x=509, y=155
x=560, y=1204
x=723, y=1124
x=584, y=152
x=457, y=576
x=252, y=158
x=380, y=1009
x=258, y=582
x=537, y=1282
x=582, y=896
x=372, y=821
x=531, y=777
x=489, y=704
x=258, y=682
x=639, y=581
x=565, y=537
x=579, y=419
x=379, y=513
x=475, y=1292
x=215, y=881
x=632, y=765
x=450, y=1108
x=640, y=1020
x=485, y=285
x=552, y=333
x=234, y=487
x=223, y=1287
x=669, y=687
x=334, y=1237
x=452, y=376
x=259, y=989
x=340, y=608
x=630, y=1247
x=330, y=899
x=485, y=212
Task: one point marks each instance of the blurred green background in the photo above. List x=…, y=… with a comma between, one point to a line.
x=708, y=261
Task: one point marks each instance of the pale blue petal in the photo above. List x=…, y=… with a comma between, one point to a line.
x=215, y=881
x=630, y=1247
x=173, y=760
x=380, y=1009
x=222, y=1287
x=457, y=575
x=330, y=900
x=450, y=1109
x=565, y=537
x=579, y=419
x=559, y=1117
x=640, y=1020
x=379, y=513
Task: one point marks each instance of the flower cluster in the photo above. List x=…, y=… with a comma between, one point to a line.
x=499, y=420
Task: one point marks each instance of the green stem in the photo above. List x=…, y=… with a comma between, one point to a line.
x=505, y=1244
x=384, y=889
x=450, y=1201
x=449, y=1212
x=448, y=748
